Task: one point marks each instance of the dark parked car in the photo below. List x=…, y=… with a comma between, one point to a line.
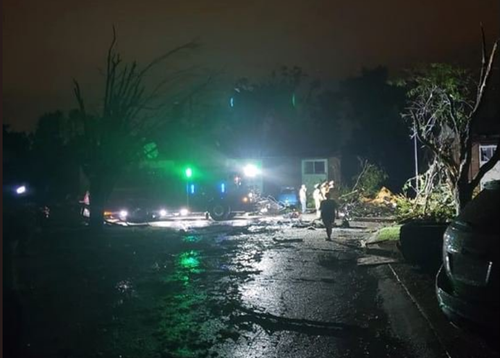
x=467, y=284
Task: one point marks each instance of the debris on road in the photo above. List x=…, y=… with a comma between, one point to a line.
x=373, y=260
x=287, y=240
x=383, y=205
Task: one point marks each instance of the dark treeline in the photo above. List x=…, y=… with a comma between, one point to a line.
x=286, y=114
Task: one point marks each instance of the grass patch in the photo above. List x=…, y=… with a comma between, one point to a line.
x=389, y=233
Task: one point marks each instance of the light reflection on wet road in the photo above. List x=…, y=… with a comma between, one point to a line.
x=311, y=300
x=247, y=288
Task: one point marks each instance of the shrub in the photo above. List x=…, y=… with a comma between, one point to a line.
x=370, y=179
x=438, y=206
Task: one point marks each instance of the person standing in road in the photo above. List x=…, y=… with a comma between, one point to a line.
x=326, y=187
x=323, y=188
x=328, y=210
x=303, y=198
x=317, y=199
x=85, y=205
x=331, y=186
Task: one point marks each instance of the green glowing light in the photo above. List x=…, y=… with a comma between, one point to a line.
x=189, y=172
x=189, y=260
x=187, y=264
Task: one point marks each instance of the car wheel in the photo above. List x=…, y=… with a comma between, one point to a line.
x=219, y=211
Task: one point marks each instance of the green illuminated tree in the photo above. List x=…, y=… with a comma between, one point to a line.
x=132, y=114
x=443, y=109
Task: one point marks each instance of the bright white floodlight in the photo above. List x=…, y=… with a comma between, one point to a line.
x=21, y=190
x=163, y=212
x=251, y=170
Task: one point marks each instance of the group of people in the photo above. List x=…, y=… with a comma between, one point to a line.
x=324, y=204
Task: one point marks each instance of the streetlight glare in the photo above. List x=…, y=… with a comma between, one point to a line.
x=21, y=190
x=251, y=170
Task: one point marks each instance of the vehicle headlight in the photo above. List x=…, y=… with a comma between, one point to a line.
x=163, y=212
x=184, y=212
x=20, y=190
x=251, y=170
x=123, y=214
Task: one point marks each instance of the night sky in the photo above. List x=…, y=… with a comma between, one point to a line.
x=47, y=43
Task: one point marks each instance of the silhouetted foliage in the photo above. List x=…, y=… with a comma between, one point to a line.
x=443, y=108
x=54, y=164
x=365, y=122
x=132, y=113
x=16, y=158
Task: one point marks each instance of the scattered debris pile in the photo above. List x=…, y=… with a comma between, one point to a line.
x=384, y=197
x=382, y=205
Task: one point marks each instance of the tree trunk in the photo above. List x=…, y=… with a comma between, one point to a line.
x=98, y=196
x=463, y=195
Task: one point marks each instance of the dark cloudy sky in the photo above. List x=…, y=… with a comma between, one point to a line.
x=47, y=43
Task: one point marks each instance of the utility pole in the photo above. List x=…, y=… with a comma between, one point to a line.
x=416, y=157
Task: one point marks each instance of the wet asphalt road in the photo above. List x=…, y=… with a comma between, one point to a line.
x=309, y=298
x=247, y=288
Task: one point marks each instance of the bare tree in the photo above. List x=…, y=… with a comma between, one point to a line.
x=115, y=136
x=442, y=111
